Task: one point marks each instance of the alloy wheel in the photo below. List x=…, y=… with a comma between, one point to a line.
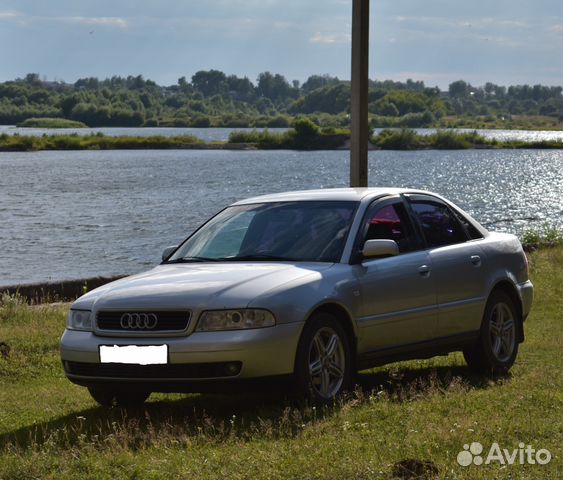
x=502, y=330
x=327, y=362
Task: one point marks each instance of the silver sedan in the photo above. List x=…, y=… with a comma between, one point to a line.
x=311, y=286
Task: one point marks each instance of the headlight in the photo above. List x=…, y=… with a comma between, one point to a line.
x=234, y=320
x=79, y=320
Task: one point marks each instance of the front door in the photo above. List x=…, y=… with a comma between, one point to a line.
x=398, y=300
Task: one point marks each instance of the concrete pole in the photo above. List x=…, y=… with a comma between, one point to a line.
x=360, y=75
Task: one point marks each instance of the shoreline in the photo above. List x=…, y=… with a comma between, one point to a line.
x=59, y=291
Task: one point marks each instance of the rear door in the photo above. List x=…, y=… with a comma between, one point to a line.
x=398, y=301
x=458, y=265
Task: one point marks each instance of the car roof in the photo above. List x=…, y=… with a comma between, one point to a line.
x=329, y=194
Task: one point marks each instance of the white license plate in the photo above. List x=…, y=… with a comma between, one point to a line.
x=134, y=354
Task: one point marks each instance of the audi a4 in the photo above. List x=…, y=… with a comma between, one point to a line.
x=309, y=287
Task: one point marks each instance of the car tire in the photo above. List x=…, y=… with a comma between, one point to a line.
x=114, y=398
x=323, y=364
x=496, y=350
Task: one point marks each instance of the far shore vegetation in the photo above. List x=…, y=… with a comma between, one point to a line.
x=29, y=143
x=304, y=135
x=215, y=99
x=51, y=123
x=307, y=136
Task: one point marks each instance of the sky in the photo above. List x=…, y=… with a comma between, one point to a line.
x=507, y=42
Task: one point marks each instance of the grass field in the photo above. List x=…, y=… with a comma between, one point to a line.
x=419, y=410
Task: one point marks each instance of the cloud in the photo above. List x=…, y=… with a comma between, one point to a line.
x=330, y=38
x=9, y=15
x=450, y=23
x=116, y=22
x=509, y=34
x=25, y=20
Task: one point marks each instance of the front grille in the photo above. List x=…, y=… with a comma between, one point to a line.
x=166, y=321
x=171, y=371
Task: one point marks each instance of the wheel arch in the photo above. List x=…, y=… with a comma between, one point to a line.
x=343, y=316
x=510, y=289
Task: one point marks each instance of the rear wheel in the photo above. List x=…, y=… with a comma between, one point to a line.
x=323, y=366
x=497, y=347
x=108, y=397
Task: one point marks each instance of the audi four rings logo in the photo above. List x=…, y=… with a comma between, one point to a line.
x=139, y=321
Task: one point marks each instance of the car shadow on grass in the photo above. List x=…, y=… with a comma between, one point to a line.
x=397, y=383
x=275, y=413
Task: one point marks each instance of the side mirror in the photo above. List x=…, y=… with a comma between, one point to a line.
x=168, y=251
x=380, y=248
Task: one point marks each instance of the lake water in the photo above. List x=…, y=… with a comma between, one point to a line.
x=222, y=134
x=66, y=215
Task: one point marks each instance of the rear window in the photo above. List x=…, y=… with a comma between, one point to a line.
x=439, y=224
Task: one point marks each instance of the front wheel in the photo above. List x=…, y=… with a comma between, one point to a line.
x=108, y=397
x=495, y=351
x=323, y=366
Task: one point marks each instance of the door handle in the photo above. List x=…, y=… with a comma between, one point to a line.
x=476, y=260
x=424, y=270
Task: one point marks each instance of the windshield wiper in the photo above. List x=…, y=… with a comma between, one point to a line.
x=193, y=260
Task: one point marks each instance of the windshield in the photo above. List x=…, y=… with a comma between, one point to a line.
x=292, y=231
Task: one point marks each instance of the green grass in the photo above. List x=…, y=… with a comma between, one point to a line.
x=425, y=410
x=51, y=123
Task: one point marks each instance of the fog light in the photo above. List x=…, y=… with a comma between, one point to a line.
x=233, y=368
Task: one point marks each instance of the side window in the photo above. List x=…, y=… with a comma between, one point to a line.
x=391, y=222
x=439, y=225
x=474, y=234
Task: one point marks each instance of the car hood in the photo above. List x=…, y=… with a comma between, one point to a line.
x=197, y=285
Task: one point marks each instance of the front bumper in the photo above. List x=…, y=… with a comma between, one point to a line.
x=200, y=356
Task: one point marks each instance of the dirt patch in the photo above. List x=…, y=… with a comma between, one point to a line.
x=412, y=468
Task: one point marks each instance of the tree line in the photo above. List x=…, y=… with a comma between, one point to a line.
x=213, y=98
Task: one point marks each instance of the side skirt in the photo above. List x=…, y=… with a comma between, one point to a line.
x=418, y=350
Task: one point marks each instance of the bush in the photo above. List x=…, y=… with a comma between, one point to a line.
x=264, y=139
x=305, y=128
x=151, y=122
x=532, y=239
x=200, y=121
x=398, y=140
x=448, y=140
x=278, y=122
